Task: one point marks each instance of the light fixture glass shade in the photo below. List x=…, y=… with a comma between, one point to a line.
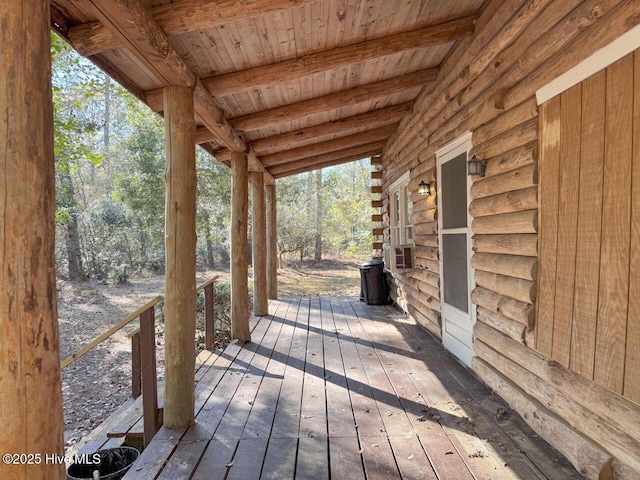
x=424, y=188
x=475, y=166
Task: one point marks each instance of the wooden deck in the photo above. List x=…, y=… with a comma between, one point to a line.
x=333, y=388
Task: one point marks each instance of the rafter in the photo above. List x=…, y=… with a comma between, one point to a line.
x=362, y=138
x=133, y=25
x=368, y=149
x=177, y=18
x=353, y=96
x=296, y=68
x=328, y=163
x=316, y=133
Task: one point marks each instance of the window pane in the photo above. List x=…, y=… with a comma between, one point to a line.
x=454, y=192
x=408, y=206
x=454, y=270
x=396, y=208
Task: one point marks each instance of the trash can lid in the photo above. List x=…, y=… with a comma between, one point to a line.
x=370, y=263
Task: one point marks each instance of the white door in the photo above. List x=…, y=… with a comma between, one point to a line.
x=456, y=274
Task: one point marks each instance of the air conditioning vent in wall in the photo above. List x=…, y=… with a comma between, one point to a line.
x=398, y=258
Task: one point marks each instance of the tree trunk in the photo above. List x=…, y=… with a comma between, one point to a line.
x=180, y=251
x=72, y=234
x=207, y=232
x=107, y=131
x=318, y=252
x=272, y=242
x=258, y=244
x=239, y=251
x=30, y=386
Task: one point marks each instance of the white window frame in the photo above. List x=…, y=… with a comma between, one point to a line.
x=398, y=227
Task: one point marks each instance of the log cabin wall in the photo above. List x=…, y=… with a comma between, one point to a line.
x=487, y=85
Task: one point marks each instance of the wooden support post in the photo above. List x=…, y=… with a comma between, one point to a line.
x=272, y=242
x=239, y=250
x=258, y=245
x=209, y=317
x=180, y=248
x=149, y=377
x=30, y=387
x=136, y=366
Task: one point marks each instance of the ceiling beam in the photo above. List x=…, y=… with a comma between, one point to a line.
x=351, y=97
x=328, y=163
x=362, y=138
x=177, y=18
x=135, y=28
x=317, y=133
x=296, y=68
x=363, y=150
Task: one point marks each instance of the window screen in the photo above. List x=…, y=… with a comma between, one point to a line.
x=454, y=270
x=454, y=192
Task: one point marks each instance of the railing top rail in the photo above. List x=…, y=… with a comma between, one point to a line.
x=207, y=283
x=110, y=332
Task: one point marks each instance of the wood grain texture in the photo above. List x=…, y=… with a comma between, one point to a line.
x=239, y=268
x=272, y=241
x=362, y=138
x=29, y=349
x=353, y=96
x=585, y=306
x=548, y=237
x=177, y=18
x=569, y=187
x=259, y=244
x=180, y=252
x=632, y=361
x=318, y=161
x=135, y=27
x=345, y=56
x=614, y=265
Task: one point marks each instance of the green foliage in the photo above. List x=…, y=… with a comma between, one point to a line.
x=120, y=274
x=110, y=166
x=346, y=221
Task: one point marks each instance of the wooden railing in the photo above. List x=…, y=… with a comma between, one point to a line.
x=209, y=313
x=144, y=380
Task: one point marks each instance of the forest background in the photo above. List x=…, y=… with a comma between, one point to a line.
x=109, y=150
x=110, y=163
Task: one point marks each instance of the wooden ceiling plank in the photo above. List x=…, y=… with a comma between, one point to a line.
x=373, y=147
x=177, y=18
x=293, y=69
x=366, y=137
x=353, y=96
x=135, y=27
x=329, y=163
x=342, y=127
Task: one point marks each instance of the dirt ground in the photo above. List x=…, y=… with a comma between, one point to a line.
x=99, y=382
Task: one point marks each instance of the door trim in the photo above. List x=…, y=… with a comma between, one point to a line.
x=462, y=144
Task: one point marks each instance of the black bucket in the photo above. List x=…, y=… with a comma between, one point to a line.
x=111, y=463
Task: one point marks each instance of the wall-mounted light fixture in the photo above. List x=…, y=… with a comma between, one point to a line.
x=424, y=188
x=476, y=166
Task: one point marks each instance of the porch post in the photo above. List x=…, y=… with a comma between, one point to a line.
x=180, y=252
x=30, y=388
x=239, y=249
x=259, y=248
x=272, y=242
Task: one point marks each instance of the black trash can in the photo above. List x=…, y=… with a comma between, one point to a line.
x=374, y=289
x=111, y=463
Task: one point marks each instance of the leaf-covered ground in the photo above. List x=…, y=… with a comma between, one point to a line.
x=325, y=277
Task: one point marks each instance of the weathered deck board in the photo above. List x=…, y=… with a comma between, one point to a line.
x=332, y=388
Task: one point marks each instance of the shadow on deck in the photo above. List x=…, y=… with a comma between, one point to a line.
x=333, y=388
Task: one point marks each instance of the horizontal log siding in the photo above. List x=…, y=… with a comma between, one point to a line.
x=494, y=97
